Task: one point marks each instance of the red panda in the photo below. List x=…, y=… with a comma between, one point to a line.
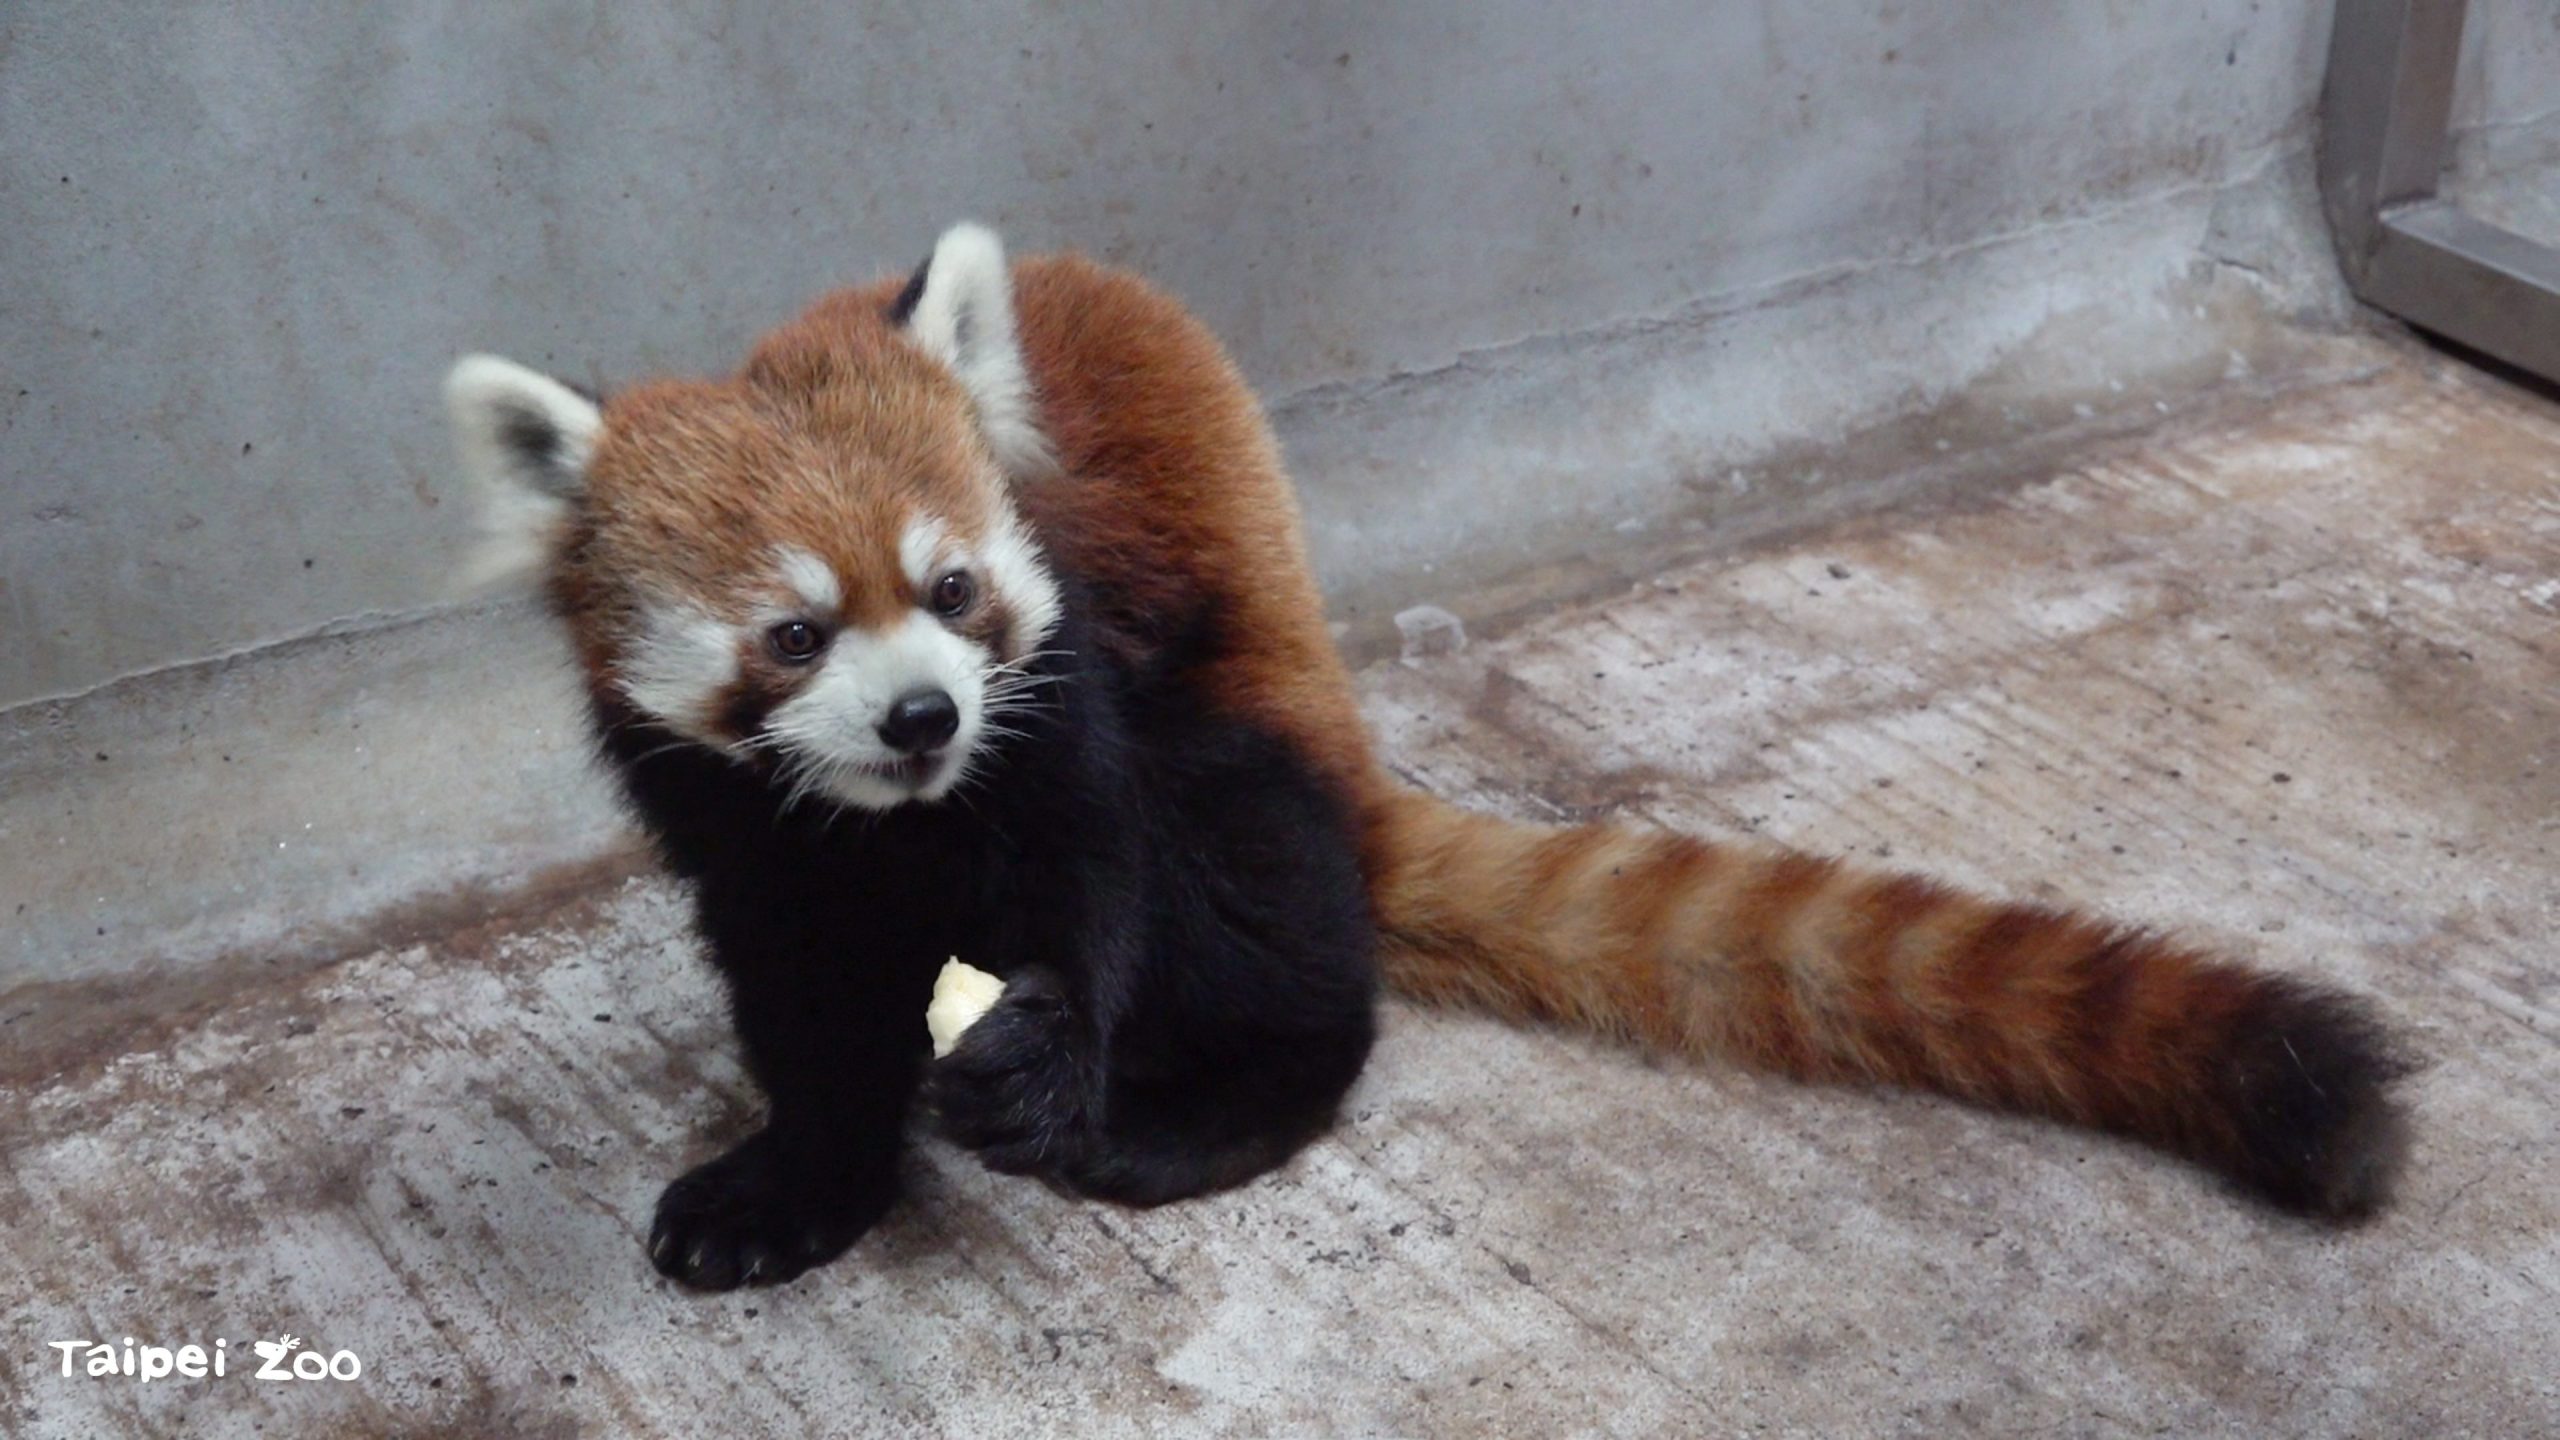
x=973, y=616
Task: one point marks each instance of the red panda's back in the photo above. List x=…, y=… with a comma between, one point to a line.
x=1171, y=491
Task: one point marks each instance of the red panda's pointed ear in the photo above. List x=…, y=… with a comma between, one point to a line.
x=524, y=440
x=959, y=308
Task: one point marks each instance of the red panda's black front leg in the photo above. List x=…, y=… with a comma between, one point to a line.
x=1024, y=1088
x=836, y=1051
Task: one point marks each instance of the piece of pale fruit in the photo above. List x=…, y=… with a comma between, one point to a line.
x=961, y=993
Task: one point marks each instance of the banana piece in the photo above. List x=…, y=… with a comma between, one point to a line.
x=961, y=993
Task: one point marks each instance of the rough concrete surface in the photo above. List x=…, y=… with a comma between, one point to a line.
x=2285, y=679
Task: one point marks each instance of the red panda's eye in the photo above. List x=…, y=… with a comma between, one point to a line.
x=952, y=593
x=795, y=641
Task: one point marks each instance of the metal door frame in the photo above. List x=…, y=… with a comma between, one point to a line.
x=2405, y=248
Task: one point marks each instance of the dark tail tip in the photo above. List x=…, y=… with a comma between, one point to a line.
x=2305, y=1079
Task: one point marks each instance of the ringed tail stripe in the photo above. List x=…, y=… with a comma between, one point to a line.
x=1825, y=971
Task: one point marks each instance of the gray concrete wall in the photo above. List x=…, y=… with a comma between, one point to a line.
x=2506, y=117
x=239, y=242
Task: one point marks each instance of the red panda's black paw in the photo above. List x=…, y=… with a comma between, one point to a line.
x=1014, y=1090
x=751, y=1217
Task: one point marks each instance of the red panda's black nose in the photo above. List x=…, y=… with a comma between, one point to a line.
x=919, y=721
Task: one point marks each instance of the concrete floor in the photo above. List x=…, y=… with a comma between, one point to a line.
x=2284, y=677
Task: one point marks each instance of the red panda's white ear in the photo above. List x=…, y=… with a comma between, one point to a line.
x=524, y=440
x=959, y=307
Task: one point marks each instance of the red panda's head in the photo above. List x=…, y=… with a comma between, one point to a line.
x=815, y=566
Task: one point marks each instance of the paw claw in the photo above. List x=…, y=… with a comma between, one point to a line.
x=754, y=1217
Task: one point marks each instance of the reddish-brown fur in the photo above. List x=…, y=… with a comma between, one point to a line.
x=1171, y=493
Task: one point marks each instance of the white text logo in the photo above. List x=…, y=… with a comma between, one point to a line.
x=283, y=1358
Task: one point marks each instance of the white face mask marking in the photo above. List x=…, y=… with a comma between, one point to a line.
x=1010, y=567
x=827, y=737
x=678, y=664
x=1014, y=569
x=920, y=551
x=811, y=579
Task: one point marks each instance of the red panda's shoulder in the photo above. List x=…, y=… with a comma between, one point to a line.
x=1124, y=371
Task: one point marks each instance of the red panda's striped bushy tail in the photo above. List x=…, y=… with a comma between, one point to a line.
x=1820, y=970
